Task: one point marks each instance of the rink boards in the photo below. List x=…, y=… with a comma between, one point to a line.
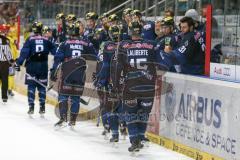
x=197, y=117
x=194, y=116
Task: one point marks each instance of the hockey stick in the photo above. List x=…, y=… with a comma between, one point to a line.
x=50, y=88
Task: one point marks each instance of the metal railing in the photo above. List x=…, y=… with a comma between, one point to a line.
x=120, y=6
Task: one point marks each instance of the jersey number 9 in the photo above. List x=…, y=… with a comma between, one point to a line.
x=76, y=53
x=39, y=48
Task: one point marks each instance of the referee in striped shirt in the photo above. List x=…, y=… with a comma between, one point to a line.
x=5, y=61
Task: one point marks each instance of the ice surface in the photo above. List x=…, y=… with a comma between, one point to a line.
x=25, y=138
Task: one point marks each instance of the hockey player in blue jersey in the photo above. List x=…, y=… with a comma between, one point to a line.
x=91, y=29
x=72, y=81
x=35, y=52
x=136, y=62
x=70, y=19
x=148, y=30
x=199, y=27
x=106, y=79
x=169, y=40
x=189, y=54
x=47, y=32
x=126, y=19
x=59, y=34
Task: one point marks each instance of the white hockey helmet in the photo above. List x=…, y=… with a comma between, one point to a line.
x=193, y=14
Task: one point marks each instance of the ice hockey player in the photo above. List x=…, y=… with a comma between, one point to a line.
x=189, y=54
x=59, y=34
x=35, y=52
x=148, y=31
x=90, y=31
x=104, y=21
x=136, y=60
x=169, y=41
x=113, y=20
x=81, y=28
x=70, y=19
x=199, y=28
x=159, y=30
x=47, y=32
x=6, y=59
x=126, y=19
x=70, y=53
x=113, y=104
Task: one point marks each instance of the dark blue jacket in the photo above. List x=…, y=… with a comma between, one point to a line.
x=148, y=31
x=104, y=76
x=90, y=34
x=73, y=48
x=35, y=51
x=189, y=55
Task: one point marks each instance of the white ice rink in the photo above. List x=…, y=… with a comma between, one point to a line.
x=23, y=138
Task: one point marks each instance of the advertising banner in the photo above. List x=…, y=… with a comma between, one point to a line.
x=202, y=114
x=223, y=71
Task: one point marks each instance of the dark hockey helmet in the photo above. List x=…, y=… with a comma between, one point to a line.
x=46, y=29
x=73, y=29
x=127, y=11
x=135, y=28
x=60, y=16
x=71, y=17
x=91, y=15
x=37, y=27
x=104, y=15
x=114, y=32
x=167, y=21
x=113, y=17
x=99, y=31
x=136, y=12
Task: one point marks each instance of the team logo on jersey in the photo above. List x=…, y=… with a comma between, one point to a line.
x=147, y=26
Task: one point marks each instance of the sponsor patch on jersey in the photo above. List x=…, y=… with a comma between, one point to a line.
x=38, y=37
x=138, y=45
x=77, y=42
x=111, y=47
x=147, y=26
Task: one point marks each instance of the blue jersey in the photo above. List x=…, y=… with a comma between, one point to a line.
x=189, y=55
x=124, y=31
x=137, y=62
x=36, y=49
x=168, y=40
x=73, y=48
x=148, y=31
x=95, y=38
x=171, y=41
x=109, y=49
x=138, y=55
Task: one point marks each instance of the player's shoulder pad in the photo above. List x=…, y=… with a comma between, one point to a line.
x=125, y=43
x=109, y=45
x=81, y=41
x=153, y=42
